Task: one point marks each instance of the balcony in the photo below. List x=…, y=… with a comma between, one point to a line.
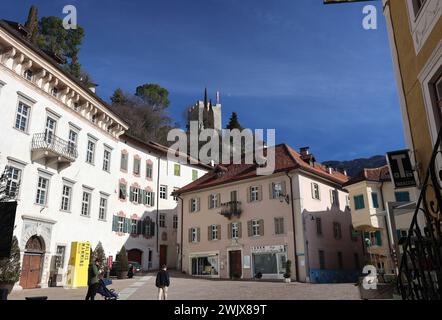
x=231, y=208
x=53, y=150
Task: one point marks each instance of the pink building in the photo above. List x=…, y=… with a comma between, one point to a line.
x=236, y=224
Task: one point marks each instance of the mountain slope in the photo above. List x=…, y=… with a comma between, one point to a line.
x=353, y=167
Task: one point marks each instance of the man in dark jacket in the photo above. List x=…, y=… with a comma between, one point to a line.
x=162, y=282
x=93, y=279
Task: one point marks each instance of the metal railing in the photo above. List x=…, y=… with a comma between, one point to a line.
x=420, y=270
x=231, y=208
x=43, y=141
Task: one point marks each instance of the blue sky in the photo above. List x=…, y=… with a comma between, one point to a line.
x=308, y=70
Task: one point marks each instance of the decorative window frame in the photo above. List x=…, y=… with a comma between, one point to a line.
x=422, y=23
x=426, y=77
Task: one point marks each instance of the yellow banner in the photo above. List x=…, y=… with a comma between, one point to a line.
x=78, y=264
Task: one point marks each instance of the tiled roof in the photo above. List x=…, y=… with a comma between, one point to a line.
x=286, y=159
x=373, y=174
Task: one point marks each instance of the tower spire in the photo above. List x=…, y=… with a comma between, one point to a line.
x=205, y=97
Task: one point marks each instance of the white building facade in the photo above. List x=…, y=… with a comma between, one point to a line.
x=62, y=146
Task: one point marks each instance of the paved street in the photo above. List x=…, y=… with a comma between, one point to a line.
x=182, y=288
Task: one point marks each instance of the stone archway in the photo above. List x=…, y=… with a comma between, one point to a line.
x=32, y=264
x=41, y=228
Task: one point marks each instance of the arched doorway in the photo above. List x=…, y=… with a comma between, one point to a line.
x=32, y=263
x=135, y=255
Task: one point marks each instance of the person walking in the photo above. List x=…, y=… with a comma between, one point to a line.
x=93, y=279
x=162, y=283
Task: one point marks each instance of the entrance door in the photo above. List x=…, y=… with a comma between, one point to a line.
x=32, y=263
x=235, y=264
x=30, y=277
x=134, y=255
x=163, y=255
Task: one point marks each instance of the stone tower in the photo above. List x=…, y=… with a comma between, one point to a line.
x=207, y=114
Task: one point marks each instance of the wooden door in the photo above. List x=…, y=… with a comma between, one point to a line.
x=163, y=255
x=31, y=271
x=235, y=264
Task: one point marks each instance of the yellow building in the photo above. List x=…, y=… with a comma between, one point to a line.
x=415, y=33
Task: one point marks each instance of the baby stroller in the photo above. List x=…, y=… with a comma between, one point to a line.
x=108, y=294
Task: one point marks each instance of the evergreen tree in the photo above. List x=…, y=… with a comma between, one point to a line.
x=233, y=122
x=32, y=24
x=99, y=253
x=64, y=44
x=119, y=98
x=123, y=264
x=10, y=267
x=154, y=95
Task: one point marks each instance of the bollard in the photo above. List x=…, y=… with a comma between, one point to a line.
x=3, y=294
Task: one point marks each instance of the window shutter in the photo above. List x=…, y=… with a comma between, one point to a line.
x=276, y=225
x=190, y=205
x=131, y=198
x=249, y=228
x=283, y=188
x=153, y=199
x=218, y=200
x=313, y=190
x=126, y=227
x=239, y=230
x=152, y=228
x=209, y=233
x=218, y=234
x=140, y=195
x=331, y=196
x=229, y=231
x=198, y=204
x=209, y=202
x=198, y=236
x=115, y=223
x=190, y=234
x=271, y=186
x=378, y=238
x=140, y=227
x=259, y=193
x=261, y=227
x=249, y=194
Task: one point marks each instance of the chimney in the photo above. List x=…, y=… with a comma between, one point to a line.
x=212, y=163
x=330, y=170
x=217, y=98
x=306, y=156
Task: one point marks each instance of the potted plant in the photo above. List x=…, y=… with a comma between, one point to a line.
x=288, y=271
x=122, y=264
x=10, y=267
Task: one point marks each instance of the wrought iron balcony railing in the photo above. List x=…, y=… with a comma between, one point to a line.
x=54, y=145
x=231, y=208
x=420, y=270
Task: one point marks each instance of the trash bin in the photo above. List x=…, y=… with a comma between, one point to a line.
x=37, y=298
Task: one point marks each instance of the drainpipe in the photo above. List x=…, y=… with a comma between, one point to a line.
x=158, y=205
x=182, y=233
x=294, y=225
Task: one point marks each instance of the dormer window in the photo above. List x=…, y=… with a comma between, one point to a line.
x=54, y=92
x=28, y=75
